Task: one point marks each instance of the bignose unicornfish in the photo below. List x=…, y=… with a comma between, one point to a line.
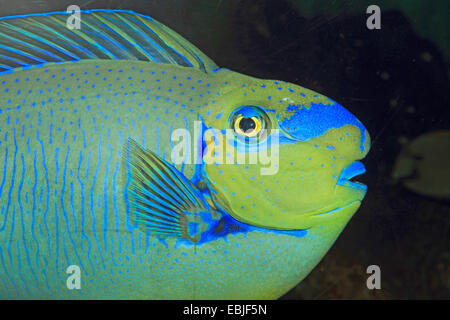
x=94, y=200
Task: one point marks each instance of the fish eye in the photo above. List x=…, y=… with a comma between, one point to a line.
x=249, y=127
x=250, y=122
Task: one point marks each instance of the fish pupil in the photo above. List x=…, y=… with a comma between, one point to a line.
x=247, y=125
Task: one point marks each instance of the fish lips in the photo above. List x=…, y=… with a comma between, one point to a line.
x=349, y=193
x=356, y=168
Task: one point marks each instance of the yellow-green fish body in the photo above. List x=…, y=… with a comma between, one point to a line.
x=88, y=177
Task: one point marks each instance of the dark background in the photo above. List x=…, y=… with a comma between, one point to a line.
x=394, y=79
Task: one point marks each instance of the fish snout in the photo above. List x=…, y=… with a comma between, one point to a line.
x=333, y=121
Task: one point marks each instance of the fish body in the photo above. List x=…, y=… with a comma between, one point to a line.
x=422, y=165
x=88, y=176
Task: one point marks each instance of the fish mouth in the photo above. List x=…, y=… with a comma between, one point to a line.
x=354, y=169
x=339, y=208
x=352, y=193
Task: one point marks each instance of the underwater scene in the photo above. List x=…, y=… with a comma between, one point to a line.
x=224, y=150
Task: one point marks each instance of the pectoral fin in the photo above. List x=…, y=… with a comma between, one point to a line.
x=163, y=201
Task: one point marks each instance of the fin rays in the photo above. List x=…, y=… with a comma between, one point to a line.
x=105, y=34
x=163, y=201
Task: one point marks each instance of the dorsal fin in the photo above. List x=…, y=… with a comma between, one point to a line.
x=105, y=34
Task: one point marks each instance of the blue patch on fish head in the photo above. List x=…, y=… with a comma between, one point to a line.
x=303, y=123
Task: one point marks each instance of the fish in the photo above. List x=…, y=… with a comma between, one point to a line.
x=133, y=167
x=422, y=165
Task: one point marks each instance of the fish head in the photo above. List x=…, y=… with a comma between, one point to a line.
x=282, y=156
